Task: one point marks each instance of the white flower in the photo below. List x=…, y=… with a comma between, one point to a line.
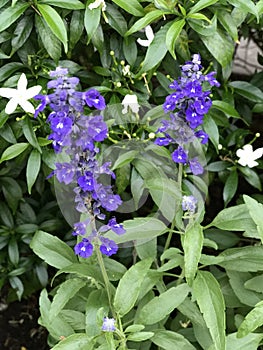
x=132, y=102
x=96, y=4
x=126, y=70
x=20, y=96
x=248, y=156
x=149, y=35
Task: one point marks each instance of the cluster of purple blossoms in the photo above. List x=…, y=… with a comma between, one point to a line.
x=77, y=134
x=187, y=106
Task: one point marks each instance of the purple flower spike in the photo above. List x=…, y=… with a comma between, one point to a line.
x=108, y=247
x=84, y=248
x=94, y=99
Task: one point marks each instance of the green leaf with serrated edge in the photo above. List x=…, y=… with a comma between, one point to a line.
x=247, y=90
x=172, y=35
x=30, y=133
x=169, y=340
x=220, y=46
x=50, y=42
x=13, y=151
x=192, y=244
x=131, y=6
x=255, y=284
x=161, y=306
x=55, y=23
x=211, y=129
x=129, y=287
x=143, y=22
x=252, y=321
x=235, y=218
x=116, y=19
x=97, y=299
x=32, y=169
x=51, y=249
x=237, y=281
x=228, y=23
x=11, y=14
x=208, y=295
x=156, y=50
x=201, y=4
x=91, y=21
x=245, y=6
x=64, y=293
x=230, y=186
x=249, y=342
x=65, y=4
x=78, y=341
x=140, y=336
x=225, y=108
x=255, y=210
x=124, y=158
x=21, y=33
x=139, y=229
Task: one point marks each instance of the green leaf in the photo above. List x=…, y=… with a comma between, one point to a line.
x=245, y=6
x=201, y=28
x=139, y=229
x=140, y=336
x=211, y=129
x=124, y=158
x=50, y=42
x=131, y=6
x=129, y=287
x=173, y=34
x=7, y=70
x=159, y=307
x=156, y=51
x=14, y=151
x=147, y=249
x=32, y=169
x=230, y=186
x=76, y=28
x=201, y=4
x=12, y=192
x=116, y=19
x=192, y=244
x=11, y=14
x=169, y=340
x=97, y=299
x=220, y=46
x=228, y=23
x=251, y=177
x=255, y=210
x=143, y=22
x=130, y=50
x=6, y=216
x=91, y=21
x=249, y=342
x=225, y=108
x=78, y=341
x=255, y=284
x=8, y=134
x=64, y=293
x=211, y=303
x=65, y=4
x=55, y=23
x=247, y=90
x=17, y=285
x=13, y=251
x=21, y=33
x=51, y=249
x=30, y=133
x=252, y=321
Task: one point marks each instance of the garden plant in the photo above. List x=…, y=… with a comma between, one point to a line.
x=131, y=172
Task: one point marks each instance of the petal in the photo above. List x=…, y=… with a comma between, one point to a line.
x=251, y=163
x=240, y=153
x=22, y=82
x=7, y=92
x=248, y=148
x=242, y=162
x=258, y=153
x=27, y=106
x=11, y=106
x=149, y=33
x=142, y=42
x=33, y=91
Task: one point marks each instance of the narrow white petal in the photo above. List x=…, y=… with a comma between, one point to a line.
x=7, y=92
x=27, y=106
x=22, y=83
x=11, y=106
x=33, y=91
x=143, y=42
x=149, y=33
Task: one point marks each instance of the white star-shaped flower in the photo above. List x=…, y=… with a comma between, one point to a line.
x=96, y=4
x=20, y=96
x=149, y=35
x=247, y=156
x=132, y=102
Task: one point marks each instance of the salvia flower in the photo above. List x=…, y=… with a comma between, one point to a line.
x=187, y=105
x=77, y=135
x=189, y=204
x=108, y=324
